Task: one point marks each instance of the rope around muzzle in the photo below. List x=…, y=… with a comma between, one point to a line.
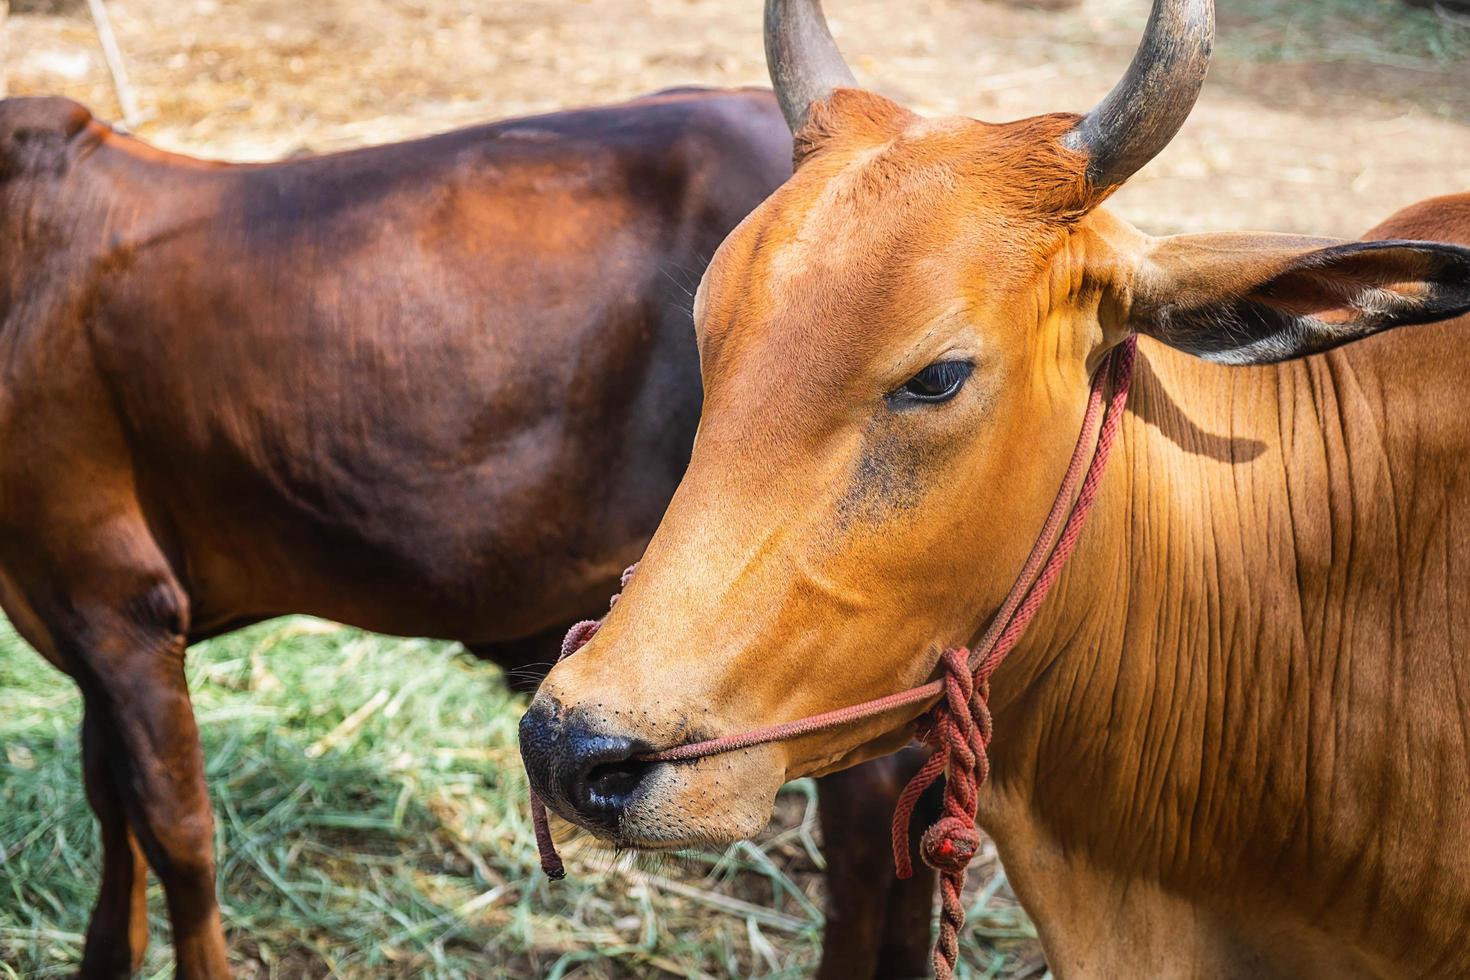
x=958, y=728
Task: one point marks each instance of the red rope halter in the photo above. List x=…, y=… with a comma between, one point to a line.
x=958, y=728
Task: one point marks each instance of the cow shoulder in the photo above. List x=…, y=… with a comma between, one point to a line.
x=741, y=130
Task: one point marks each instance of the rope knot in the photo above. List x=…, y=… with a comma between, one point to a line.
x=578, y=637
x=950, y=845
x=582, y=633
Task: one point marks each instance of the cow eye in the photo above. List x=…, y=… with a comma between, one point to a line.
x=939, y=382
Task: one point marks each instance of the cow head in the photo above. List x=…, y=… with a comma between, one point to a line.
x=896, y=350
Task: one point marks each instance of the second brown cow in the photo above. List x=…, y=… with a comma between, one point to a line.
x=440, y=388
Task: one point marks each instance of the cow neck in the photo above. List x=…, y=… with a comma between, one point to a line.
x=957, y=728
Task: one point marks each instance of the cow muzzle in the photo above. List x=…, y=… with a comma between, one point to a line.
x=588, y=772
x=585, y=773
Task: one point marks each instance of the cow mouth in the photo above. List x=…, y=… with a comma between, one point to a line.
x=707, y=802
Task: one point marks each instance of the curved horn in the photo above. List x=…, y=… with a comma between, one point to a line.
x=803, y=59
x=1142, y=113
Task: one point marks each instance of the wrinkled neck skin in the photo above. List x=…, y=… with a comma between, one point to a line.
x=1224, y=699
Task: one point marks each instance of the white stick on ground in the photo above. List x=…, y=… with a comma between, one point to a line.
x=4, y=45
x=114, y=57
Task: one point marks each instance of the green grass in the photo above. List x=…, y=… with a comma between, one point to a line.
x=400, y=847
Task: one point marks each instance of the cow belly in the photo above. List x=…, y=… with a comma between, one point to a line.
x=441, y=567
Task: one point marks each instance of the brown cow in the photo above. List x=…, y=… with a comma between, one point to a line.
x=440, y=388
x=1237, y=741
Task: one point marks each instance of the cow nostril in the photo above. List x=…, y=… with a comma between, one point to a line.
x=616, y=781
x=607, y=777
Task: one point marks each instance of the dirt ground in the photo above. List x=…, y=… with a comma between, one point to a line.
x=1321, y=116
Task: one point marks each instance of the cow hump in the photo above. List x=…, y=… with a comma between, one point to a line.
x=35, y=132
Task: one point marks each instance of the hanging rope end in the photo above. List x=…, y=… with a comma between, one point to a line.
x=551, y=862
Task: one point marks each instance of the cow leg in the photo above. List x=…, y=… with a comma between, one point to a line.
x=908, y=927
x=877, y=925
x=128, y=657
x=118, y=934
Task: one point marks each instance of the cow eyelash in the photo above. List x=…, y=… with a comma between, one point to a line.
x=939, y=382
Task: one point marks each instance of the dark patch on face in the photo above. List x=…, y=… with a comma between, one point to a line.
x=887, y=479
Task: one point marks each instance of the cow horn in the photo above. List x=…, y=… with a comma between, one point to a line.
x=1142, y=113
x=803, y=59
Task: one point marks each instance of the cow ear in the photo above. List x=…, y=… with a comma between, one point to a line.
x=1257, y=299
